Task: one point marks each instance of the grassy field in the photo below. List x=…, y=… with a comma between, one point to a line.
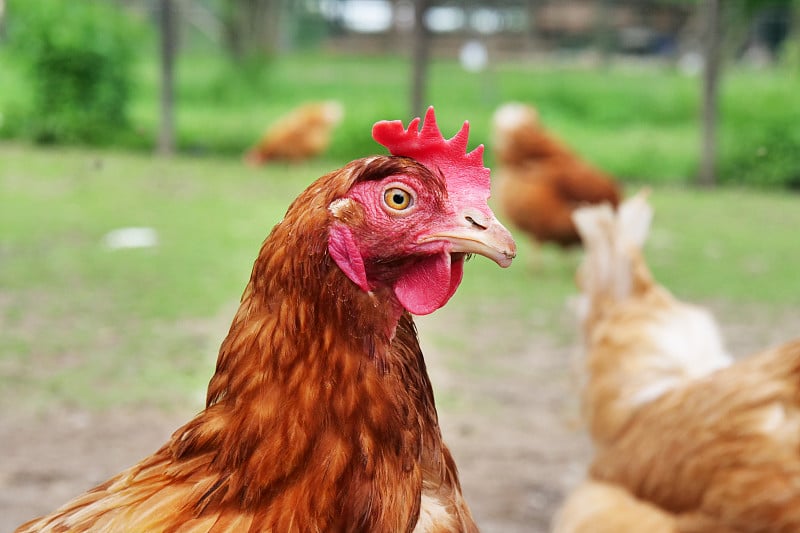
x=637, y=120
x=97, y=327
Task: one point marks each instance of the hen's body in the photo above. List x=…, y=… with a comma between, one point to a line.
x=596, y=507
x=289, y=440
x=722, y=452
x=695, y=441
x=303, y=133
x=541, y=182
x=320, y=415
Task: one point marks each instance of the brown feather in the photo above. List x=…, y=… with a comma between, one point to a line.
x=303, y=133
x=541, y=180
x=680, y=430
x=320, y=415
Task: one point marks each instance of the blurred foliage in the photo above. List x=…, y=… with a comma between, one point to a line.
x=759, y=133
x=636, y=119
x=790, y=57
x=78, y=56
x=766, y=156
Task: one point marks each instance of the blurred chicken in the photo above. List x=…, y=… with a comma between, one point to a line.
x=320, y=415
x=540, y=181
x=302, y=134
x=596, y=507
x=678, y=427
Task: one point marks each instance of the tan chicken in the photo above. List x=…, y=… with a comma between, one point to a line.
x=683, y=435
x=596, y=507
x=540, y=181
x=302, y=134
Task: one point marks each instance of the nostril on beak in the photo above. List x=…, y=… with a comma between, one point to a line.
x=474, y=223
x=476, y=219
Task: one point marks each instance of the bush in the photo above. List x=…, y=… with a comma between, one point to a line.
x=78, y=57
x=766, y=156
x=759, y=135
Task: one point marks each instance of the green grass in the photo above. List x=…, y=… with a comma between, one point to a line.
x=731, y=244
x=96, y=327
x=639, y=122
x=128, y=314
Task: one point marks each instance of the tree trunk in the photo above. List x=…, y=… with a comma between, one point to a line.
x=2, y=20
x=711, y=70
x=421, y=53
x=604, y=31
x=168, y=29
x=532, y=15
x=793, y=39
x=252, y=28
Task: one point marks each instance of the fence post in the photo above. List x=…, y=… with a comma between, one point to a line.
x=168, y=29
x=711, y=68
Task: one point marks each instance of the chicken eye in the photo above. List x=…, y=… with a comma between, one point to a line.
x=397, y=198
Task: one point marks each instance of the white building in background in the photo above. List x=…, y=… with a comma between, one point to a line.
x=377, y=16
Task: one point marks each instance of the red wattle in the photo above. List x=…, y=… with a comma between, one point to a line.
x=429, y=283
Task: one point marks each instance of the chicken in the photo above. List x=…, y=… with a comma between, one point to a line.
x=540, y=181
x=302, y=134
x=320, y=415
x=682, y=433
x=596, y=507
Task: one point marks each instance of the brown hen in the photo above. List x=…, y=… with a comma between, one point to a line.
x=303, y=133
x=320, y=415
x=541, y=181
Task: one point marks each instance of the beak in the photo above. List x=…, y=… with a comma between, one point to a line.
x=479, y=233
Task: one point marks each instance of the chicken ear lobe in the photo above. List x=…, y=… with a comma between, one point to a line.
x=344, y=251
x=427, y=284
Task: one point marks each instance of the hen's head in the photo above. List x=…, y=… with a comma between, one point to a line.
x=409, y=221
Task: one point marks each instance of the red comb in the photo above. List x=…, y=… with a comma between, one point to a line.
x=464, y=172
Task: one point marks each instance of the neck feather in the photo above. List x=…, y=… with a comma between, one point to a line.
x=312, y=366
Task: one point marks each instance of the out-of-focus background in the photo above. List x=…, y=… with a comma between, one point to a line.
x=136, y=186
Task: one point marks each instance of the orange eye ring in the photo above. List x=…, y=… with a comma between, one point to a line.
x=397, y=199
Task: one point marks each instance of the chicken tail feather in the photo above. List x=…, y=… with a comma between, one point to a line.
x=613, y=267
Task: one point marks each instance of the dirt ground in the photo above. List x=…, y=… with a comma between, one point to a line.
x=512, y=424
